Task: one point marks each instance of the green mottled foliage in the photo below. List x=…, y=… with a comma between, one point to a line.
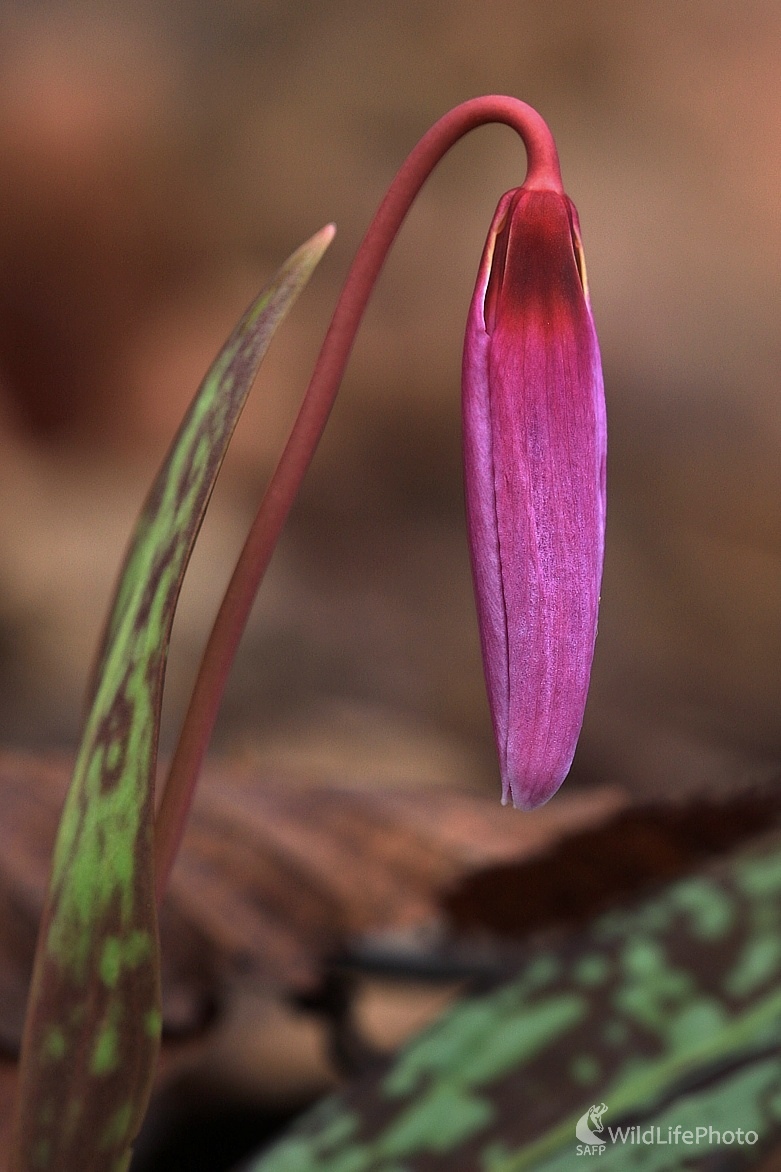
x=669, y=1013
x=93, y=1026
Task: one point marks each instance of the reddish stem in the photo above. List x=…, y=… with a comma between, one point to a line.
x=542, y=172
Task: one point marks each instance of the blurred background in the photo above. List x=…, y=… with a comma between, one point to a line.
x=157, y=162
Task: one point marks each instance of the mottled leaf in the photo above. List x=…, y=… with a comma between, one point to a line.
x=93, y=1026
x=668, y=1012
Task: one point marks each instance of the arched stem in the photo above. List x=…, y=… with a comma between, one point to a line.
x=542, y=172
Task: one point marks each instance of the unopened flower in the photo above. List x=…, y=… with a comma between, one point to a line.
x=534, y=458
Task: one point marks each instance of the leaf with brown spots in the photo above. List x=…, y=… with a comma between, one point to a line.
x=92, y=1032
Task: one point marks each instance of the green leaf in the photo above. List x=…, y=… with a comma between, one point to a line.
x=93, y=1023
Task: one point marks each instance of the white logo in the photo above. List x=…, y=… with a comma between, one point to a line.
x=590, y=1130
x=594, y=1117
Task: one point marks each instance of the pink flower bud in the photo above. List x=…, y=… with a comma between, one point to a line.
x=534, y=461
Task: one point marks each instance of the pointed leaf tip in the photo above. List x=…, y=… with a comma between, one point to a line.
x=312, y=250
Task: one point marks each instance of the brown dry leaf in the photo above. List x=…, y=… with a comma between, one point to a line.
x=276, y=873
x=274, y=876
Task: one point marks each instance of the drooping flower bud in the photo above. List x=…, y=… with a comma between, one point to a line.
x=534, y=460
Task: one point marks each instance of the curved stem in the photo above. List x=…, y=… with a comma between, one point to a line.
x=542, y=172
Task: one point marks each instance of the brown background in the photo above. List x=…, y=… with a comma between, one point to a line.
x=155, y=167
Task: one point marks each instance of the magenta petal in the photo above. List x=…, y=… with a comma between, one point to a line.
x=534, y=457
